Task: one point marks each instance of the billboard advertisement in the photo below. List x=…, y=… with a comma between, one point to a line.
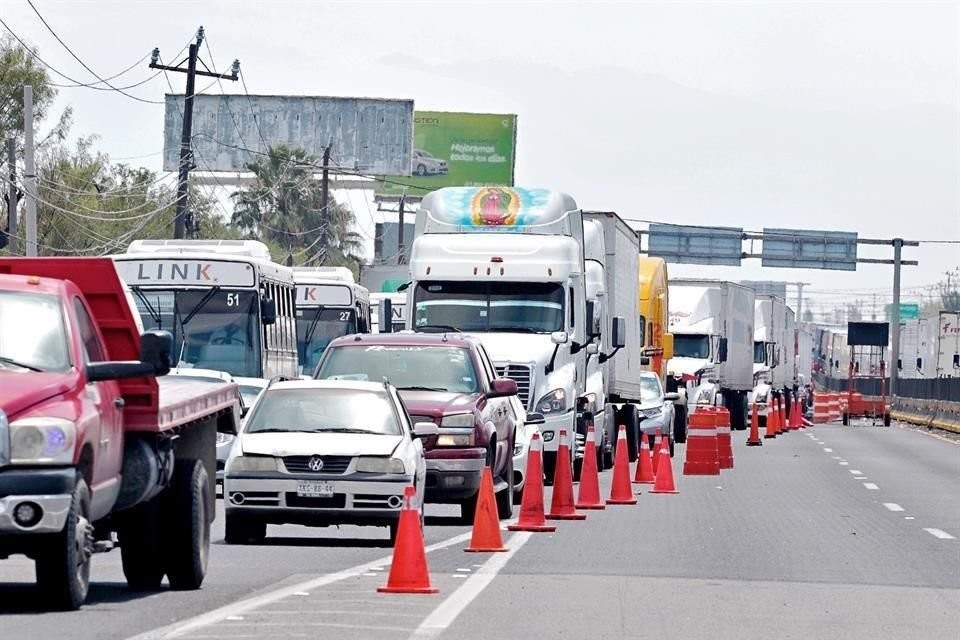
x=458, y=150
x=368, y=135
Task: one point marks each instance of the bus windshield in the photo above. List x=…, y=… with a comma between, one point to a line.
x=316, y=327
x=214, y=328
x=490, y=306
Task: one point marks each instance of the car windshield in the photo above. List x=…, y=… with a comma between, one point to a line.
x=316, y=327
x=691, y=345
x=318, y=410
x=759, y=352
x=212, y=328
x=406, y=367
x=650, y=390
x=490, y=306
x=32, y=334
x=249, y=393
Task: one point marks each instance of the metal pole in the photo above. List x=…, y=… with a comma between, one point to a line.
x=179, y=225
x=895, y=317
x=30, y=171
x=800, y=286
x=401, y=257
x=12, y=198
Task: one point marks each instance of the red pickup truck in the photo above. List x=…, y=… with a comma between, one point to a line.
x=95, y=451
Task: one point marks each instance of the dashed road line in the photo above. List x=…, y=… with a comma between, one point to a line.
x=871, y=486
x=828, y=450
x=940, y=533
x=893, y=506
x=856, y=472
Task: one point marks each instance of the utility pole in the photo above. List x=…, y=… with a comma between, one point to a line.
x=800, y=286
x=12, y=198
x=325, y=199
x=401, y=253
x=30, y=171
x=184, y=219
x=895, y=317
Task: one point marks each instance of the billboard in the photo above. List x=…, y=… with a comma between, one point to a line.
x=696, y=245
x=372, y=136
x=805, y=249
x=458, y=150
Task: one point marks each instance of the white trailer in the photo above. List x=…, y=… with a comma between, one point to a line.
x=712, y=326
x=948, y=345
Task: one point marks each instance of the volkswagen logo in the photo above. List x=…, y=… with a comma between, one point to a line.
x=315, y=463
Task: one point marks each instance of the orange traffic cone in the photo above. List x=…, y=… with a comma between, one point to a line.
x=657, y=441
x=797, y=420
x=644, y=473
x=754, y=439
x=486, y=521
x=589, y=497
x=620, y=491
x=408, y=570
x=561, y=507
x=531, y=506
x=782, y=418
x=724, y=439
x=771, y=419
x=665, y=482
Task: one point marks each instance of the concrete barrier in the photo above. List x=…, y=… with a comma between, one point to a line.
x=940, y=414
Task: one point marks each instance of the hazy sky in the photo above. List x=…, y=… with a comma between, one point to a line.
x=799, y=115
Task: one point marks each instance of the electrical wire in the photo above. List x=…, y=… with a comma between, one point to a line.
x=256, y=121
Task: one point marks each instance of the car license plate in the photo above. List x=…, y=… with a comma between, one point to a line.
x=313, y=489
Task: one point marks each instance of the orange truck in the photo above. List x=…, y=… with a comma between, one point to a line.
x=657, y=342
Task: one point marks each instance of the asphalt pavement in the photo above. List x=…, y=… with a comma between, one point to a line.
x=832, y=532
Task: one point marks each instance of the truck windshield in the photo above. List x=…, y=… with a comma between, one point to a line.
x=691, y=345
x=316, y=327
x=759, y=352
x=32, y=335
x=490, y=306
x=212, y=328
x=419, y=368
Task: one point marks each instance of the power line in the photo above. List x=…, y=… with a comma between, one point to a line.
x=84, y=64
x=250, y=102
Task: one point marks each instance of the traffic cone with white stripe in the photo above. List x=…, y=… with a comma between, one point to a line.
x=408, y=569
x=754, y=439
x=644, y=473
x=657, y=442
x=665, y=482
x=589, y=496
x=621, y=492
x=531, y=506
x=561, y=506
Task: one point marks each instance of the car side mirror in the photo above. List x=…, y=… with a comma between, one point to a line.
x=501, y=387
x=722, y=350
x=672, y=396
x=593, y=349
x=667, y=341
x=268, y=311
x=385, y=311
x=425, y=429
x=618, y=332
x=535, y=418
x=559, y=337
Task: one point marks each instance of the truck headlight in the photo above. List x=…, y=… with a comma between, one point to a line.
x=456, y=439
x=380, y=465
x=252, y=463
x=457, y=420
x=4, y=439
x=554, y=402
x=651, y=413
x=42, y=441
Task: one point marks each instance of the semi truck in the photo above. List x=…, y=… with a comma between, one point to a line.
x=948, y=345
x=507, y=264
x=769, y=332
x=712, y=326
x=95, y=451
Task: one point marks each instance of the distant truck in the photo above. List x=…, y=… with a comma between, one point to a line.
x=948, y=345
x=655, y=333
x=398, y=312
x=769, y=368
x=91, y=443
x=712, y=326
x=330, y=304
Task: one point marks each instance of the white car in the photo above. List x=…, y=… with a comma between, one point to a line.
x=426, y=164
x=320, y=453
x=656, y=408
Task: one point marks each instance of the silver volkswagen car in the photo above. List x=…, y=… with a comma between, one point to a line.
x=320, y=453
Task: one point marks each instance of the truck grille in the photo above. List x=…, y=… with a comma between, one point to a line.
x=331, y=464
x=522, y=374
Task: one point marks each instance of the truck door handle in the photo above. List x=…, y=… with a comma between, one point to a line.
x=119, y=403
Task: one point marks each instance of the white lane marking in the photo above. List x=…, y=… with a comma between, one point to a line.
x=871, y=486
x=909, y=518
x=859, y=477
x=461, y=570
x=300, y=614
x=183, y=627
x=940, y=533
x=461, y=576
x=371, y=574
x=827, y=450
x=837, y=458
x=233, y=618
x=844, y=463
x=856, y=472
x=893, y=506
x=444, y=615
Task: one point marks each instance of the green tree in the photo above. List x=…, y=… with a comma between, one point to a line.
x=283, y=208
x=19, y=67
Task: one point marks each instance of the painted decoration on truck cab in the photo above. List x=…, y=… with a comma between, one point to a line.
x=497, y=207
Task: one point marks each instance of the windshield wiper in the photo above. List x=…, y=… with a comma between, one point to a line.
x=437, y=327
x=200, y=305
x=511, y=330
x=337, y=430
x=22, y=365
x=416, y=388
x=154, y=312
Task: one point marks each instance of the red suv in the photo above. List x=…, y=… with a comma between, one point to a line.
x=447, y=379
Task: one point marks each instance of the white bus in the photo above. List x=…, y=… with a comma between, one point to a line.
x=228, y=306
x=329, y=304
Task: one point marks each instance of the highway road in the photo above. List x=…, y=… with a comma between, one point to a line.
x=831, y=532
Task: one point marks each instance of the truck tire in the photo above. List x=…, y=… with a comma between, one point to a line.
x=141, y=552
x=468, y=509
x=632, y=422
x=242, y=530
x=505, y=497
x=549, y=467
x=680, y=423
x=63, y=565
x=188, y=525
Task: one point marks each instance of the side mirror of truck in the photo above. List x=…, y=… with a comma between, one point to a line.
x=618, y=332
x=268, y=311
x=593, y=323
x=593, y=349
x=500, y=387
x=535, y=418
x=386, y=311
x=559, y=337
x=155, y=349
x=722, y=350
x=667, y=341
x=672, y=396
x=425, y=429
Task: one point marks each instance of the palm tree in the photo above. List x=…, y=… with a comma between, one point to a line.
x=283, y=208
